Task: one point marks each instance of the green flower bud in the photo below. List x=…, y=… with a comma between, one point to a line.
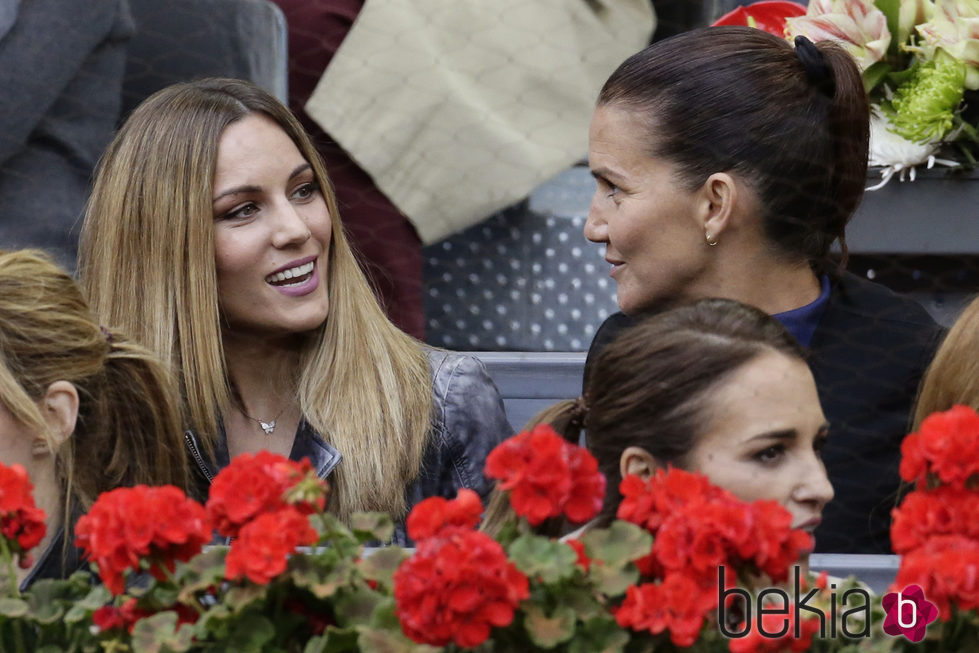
x=923, y=108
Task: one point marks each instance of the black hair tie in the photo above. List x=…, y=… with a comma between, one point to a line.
x=817, y=70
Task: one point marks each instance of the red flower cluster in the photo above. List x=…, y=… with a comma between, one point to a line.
x=942, y=511
x=946, y=448
x=21, y=521
x=265, y=482
x=698, y=526
x=678, y=604
x=109, y=617
x=547, y=476
x=456, y=587
x=936, y=528
x=263, y=545
x=459, y=583
x=946, y=567
x=756, y=642
x=430, y=516
x=159, y=524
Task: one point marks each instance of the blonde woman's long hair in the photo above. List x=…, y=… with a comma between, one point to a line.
x=953, y=376
x=128, y=426
x=146, y=260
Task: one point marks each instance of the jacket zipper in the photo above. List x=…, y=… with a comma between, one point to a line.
x=197, y=456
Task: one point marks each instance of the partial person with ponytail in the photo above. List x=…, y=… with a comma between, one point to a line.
x=82, y=409
x=728, y=162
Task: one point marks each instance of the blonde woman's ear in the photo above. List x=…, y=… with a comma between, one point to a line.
x=637, y=462
x=60, y=409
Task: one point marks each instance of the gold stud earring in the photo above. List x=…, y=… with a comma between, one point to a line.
x=710, y=240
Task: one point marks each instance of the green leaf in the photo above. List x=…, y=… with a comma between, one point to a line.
x=360, y=606
x=582, y=601
x=250, y=635
x=618, y=544
x=875, y=74
x=892, y=12
x=159, y=634
x=613, y=581
x=333, y=640
x=546, y=630
x=369, y=526
x=239, y=598
x=380, y=564
x=386, y=641
x=544, y=558
x=320, y=577
x=599, y=635
x=13, y=608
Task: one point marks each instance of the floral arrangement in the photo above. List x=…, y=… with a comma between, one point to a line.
x=673, y=571
x=920, y=65
x=936, y=527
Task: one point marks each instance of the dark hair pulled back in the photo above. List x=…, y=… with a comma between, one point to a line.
x=650, y=387
x=737, y=99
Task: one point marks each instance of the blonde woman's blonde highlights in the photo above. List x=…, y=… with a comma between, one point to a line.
x=128, y=427
x=364, y=386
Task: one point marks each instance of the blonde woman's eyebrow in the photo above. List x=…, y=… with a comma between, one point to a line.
x=240, y=190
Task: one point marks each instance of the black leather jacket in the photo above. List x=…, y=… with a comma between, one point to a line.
x=468, y=422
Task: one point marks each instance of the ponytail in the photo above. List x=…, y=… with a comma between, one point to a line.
x=849, y=125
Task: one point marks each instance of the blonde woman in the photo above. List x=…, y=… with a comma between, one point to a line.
x=81, y=409
x=953, y=376
x=213, y=236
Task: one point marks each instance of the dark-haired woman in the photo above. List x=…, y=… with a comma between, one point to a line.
x=728, y=163
x=715, y=387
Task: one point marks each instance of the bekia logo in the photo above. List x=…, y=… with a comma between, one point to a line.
x=908, y=613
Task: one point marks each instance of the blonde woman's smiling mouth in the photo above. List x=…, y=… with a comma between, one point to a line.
x=296, y=278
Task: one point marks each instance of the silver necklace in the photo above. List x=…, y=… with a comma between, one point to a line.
x=268, y=427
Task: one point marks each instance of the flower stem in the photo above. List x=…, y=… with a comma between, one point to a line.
x=8, y=558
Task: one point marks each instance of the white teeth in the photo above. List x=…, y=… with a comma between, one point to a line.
x=298, y=271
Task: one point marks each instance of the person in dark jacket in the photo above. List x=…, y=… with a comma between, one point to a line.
x=82, y=409
x=728, y=163
x=213, y=235
x=61, y=71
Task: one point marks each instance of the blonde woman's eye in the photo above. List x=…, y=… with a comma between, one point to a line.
x=244, y=211
x=305, y=191
x=612, y=192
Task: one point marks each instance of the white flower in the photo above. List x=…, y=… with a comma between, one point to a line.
x=954, y=27
x=857, y=25
x=895, y=154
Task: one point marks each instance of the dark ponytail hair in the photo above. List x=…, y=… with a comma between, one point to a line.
x=737, y=99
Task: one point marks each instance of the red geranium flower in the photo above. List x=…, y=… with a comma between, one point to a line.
x=254, y=484
x=583, y=560
x=22, y=523
x=431, y=515
x=547, y=476
x=263, y=545
x=768, y=15
x=945, y=447
x=942, y=511
x=946, y=567
x=678, y=604
x=698, y=527
x=159, y=524
x=456, y=587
